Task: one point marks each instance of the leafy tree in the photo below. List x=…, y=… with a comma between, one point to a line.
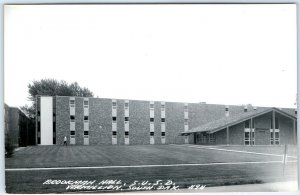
x=52, y=87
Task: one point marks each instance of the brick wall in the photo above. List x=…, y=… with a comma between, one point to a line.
x=100, y=122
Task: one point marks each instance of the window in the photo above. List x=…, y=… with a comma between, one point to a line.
x=162, y=106
x=247, y=124
x=72, y=118
x=114, y=133
x=186, y=121
x=151, y=133
x=163, y=134
x=185, y=108
x=114, y=104
x=72, y=103
x=226, y=109
x=86, y=132
x=126, y=118
x=72, y=133
x=85, y=103
x=54, y=127
x=126, y=105
x=275, y=137
x=126, y=133
x=249, y=136
x=86, y=118
x=114, y=119
x=152, y=120
x=163, y=120
x=54, y=140
x=151, y=106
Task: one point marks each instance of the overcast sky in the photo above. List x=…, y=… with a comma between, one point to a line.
x=223, y=54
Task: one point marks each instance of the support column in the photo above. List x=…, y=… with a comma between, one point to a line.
x=227, y=135
x=273, y=121
x=294, y=131
x=251, y=132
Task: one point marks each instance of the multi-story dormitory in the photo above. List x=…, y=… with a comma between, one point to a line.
x=100, y=121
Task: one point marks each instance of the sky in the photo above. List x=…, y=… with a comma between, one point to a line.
x=220, y=54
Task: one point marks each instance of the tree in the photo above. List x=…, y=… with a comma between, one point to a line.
x=52, y=87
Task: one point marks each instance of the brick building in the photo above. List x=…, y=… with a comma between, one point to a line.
x=19, y=129
x=100, y=121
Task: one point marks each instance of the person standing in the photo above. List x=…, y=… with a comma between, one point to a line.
x=65, y=140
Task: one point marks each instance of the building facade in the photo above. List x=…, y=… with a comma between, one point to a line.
x=100, y=121
x=19, y=129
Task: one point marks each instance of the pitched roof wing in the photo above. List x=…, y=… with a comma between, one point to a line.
x=231, y=120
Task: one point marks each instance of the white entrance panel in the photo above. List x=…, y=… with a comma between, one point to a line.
x=151, y=140
x=126, y=140
x=72, y=140
x=46, y=121
x=114, y=140
x=163, y=140
x=85, y=140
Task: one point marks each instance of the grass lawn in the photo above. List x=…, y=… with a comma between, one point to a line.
x=31, y=181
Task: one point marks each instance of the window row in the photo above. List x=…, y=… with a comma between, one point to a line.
x=114, y=119
x=72, y=118
x=84, y=132
x=127, y=133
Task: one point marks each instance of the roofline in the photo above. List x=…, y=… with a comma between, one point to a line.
x=244, y=119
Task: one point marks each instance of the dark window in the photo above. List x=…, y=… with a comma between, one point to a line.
x=86, y=118
x=162, y=106
x=54, y=140
x=39, y=127
x=54, y=127
x=114, y=133
x=126, y=105
x=247, y=135
x=72, y=117
x=39, y=113
x=151, y=133
x=296, y=112
x=276, y=135
x=247, y=124
x=72, y=101
x=86, y=103
x=114, y=118
x=114, y=104
x=126, y=118
x=151, y=105
x=163, y=120
x=86, y=132
x=276, y=123
x=226, y=109
x=163, y=133
x=72, y=133
x=151, y=119
x=126, y=133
